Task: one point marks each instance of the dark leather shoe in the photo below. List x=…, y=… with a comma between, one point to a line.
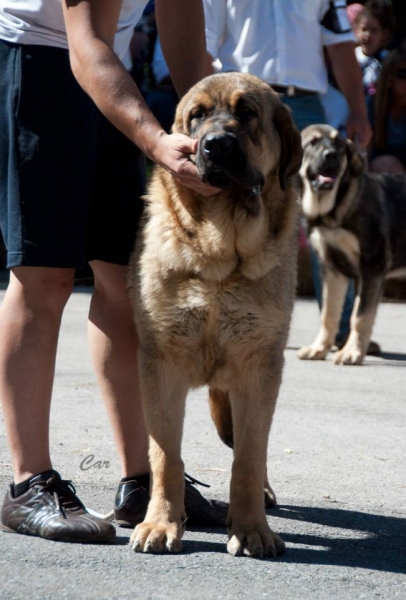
x=133, y=496
x=131, y=503
x=50, y=509
x=200, y=511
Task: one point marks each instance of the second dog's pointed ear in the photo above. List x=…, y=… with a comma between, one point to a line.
x=357, y=161
x=291, y=144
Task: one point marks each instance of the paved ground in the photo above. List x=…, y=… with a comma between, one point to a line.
x=336, y=462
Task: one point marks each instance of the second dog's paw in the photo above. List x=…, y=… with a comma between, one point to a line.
x=156, y=538
x=257, y=543
x=348, y=356
x=312, y=352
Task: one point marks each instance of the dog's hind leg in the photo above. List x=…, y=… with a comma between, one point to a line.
x=220, y=410
x=164, y=394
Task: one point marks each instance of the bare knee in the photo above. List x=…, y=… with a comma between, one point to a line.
x=111, y=283
x=41, y=289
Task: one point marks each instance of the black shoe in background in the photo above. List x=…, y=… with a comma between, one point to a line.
x=132, y=499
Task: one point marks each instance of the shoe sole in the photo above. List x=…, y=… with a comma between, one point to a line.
x=122, y=523
x=68, y=540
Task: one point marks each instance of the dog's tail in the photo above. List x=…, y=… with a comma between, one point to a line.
x=220, y=410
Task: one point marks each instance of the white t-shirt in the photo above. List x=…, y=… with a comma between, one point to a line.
x=280, y=41
x=41, y=22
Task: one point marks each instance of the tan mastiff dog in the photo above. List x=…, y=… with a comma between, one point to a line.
x=213, y=283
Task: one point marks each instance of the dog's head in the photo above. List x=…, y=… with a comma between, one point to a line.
x=326, y=155
x=244, y=131
x=330, y=163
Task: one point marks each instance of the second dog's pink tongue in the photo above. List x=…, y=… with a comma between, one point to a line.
x=321, y=179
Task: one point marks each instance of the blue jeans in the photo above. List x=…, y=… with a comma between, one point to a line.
x=308, y=110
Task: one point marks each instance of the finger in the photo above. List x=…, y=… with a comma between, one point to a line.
x=186, y=144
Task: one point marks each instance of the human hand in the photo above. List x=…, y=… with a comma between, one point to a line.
x=173, y=153
x=359, y=128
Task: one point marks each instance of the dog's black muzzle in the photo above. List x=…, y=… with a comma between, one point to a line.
x=221, y=162
x=324, y=170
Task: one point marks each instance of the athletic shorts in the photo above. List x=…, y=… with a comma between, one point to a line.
x=70, y=182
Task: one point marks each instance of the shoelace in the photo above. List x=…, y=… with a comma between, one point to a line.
x=193, y=481
x=64, y=494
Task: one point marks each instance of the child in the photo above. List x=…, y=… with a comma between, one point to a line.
x=387, y=111
x=374, y=26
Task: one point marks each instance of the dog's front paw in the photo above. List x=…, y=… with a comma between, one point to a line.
x=256, y=542
x=349, y=356
x=313, y=352
x=156, y=538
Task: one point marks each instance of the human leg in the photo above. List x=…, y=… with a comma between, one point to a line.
x=30, y=317
x=114, y=345
x=42, y=217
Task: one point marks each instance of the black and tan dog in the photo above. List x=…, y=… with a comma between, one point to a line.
x=357, y=224
x=213, y=287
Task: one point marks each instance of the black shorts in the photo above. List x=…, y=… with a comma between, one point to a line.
x=70, y=182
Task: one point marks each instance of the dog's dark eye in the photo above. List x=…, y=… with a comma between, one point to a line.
x=198, y=113
x=245, y=113
x=314, y=141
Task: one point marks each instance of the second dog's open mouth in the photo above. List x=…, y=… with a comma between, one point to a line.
x=323, y=182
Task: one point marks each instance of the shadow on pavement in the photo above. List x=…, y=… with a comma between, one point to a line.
x=377, y=542
x=393, y=356
x=385, y=359
x=368, y=541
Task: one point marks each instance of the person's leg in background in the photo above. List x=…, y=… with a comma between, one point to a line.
x=114, y=345
x=309, y=110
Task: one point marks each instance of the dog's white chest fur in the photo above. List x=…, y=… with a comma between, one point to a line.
x=340, y=239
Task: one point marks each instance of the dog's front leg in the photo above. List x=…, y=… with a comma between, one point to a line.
x=334, y=289
x=252, y=408
x=362, y=321
x=164, y=407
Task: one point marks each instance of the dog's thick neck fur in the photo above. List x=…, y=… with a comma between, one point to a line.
x=212, y=237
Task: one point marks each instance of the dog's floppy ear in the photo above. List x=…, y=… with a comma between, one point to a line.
x=308, y=134
x=357, y=162
x=179, y=126
x=291, y=145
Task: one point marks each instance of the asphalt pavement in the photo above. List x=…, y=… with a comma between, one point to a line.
x=336, y=462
